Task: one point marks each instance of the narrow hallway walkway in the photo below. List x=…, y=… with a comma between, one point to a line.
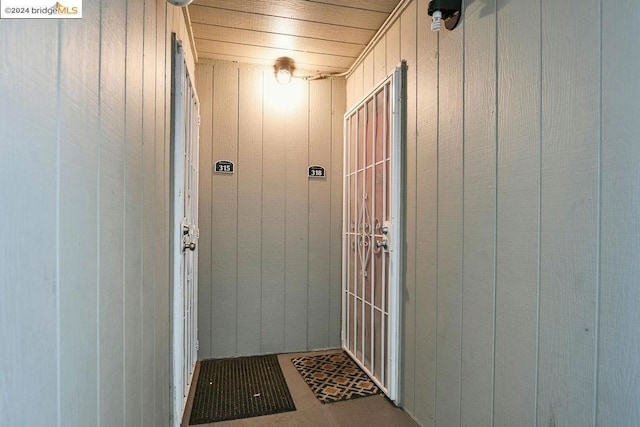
x=374, y=411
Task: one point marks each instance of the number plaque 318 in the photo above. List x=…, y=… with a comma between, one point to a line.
x=316, y=172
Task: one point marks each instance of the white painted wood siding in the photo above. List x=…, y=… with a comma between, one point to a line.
x=84, y=201
x=270, y=260
x=522, y=212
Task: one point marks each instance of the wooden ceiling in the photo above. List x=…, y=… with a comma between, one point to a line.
x=321, y=36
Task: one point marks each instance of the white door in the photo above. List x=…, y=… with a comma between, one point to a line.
x=372, y=230
x=185, y=122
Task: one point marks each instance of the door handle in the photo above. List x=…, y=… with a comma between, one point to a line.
x=191, y=246
x=381, y=243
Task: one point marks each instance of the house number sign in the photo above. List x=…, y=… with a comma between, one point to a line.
x=316, y=171
x=224, y=166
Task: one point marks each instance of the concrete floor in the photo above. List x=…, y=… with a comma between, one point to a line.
x=370, y=411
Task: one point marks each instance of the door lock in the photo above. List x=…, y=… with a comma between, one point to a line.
x=191, y=246
x=385, y=227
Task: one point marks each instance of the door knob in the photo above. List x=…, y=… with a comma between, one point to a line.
x=191, y=246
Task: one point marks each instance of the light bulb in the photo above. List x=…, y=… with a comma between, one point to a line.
x=283, y=76
x=437, y=21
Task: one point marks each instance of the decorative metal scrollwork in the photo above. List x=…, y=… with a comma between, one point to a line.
x=363, y=236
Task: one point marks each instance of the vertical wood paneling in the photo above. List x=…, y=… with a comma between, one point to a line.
x=162, y=368
x=287, y=295
x=297, y=218
x=249, y=211
x=394, y=52
x=426, y=267
x=179, y=26
x=273, y=230
x=619, y=343
x=149, y=215
x=133, y=207
x=478, y=295
x=29, y=280
x=450, y=226
x=204, y=85
x=358, y=79
x=569, y=213
x=167, y=293
x=518, y=82
x=528, y=219
x=78, y=178
x=368, y=79
x=379, y=63
x=350, y=89
x=86, y=164
x=166, y=284
x=320, y=284
x=408, y=25
x=224, y=212
x=338, y=106
x=110, y=214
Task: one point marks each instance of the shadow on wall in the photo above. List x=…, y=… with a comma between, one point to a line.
x=488, y=7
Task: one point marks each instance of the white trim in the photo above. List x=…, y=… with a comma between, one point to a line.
x=345, y=238
x=397, y=214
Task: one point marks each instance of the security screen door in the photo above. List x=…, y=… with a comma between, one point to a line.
x=185, y=123
x=371, y=231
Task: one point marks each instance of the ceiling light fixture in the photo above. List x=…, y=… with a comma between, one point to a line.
x=283, y=69
x=447, y=10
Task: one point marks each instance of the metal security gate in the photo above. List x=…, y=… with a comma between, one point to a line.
x=185, y=123
x=371, y=232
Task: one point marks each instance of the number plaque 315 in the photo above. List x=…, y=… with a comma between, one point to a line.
x=224, y=166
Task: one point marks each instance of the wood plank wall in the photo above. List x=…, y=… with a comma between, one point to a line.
x=270, y=257
x=84, y=204
x=523, y=215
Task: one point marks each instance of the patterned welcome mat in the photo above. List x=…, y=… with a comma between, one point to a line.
x=229, y=389
x=334, y=377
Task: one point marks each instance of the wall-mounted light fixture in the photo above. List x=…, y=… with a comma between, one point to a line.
x=447, y=10
x=180, y=3
x=283, y=69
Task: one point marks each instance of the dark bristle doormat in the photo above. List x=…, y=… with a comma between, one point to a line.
x=229, y=389
x=334, y=377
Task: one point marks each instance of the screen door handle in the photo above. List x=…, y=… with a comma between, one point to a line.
x=381, y=243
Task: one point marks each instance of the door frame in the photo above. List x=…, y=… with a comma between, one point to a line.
x=396, y=234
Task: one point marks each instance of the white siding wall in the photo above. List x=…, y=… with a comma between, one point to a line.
x=84, y=187
x=270, y=257
x=523, y=215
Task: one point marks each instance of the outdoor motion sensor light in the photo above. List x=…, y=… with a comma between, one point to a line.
x=447, y=10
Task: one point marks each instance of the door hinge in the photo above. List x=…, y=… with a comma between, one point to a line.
x=197, y=345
